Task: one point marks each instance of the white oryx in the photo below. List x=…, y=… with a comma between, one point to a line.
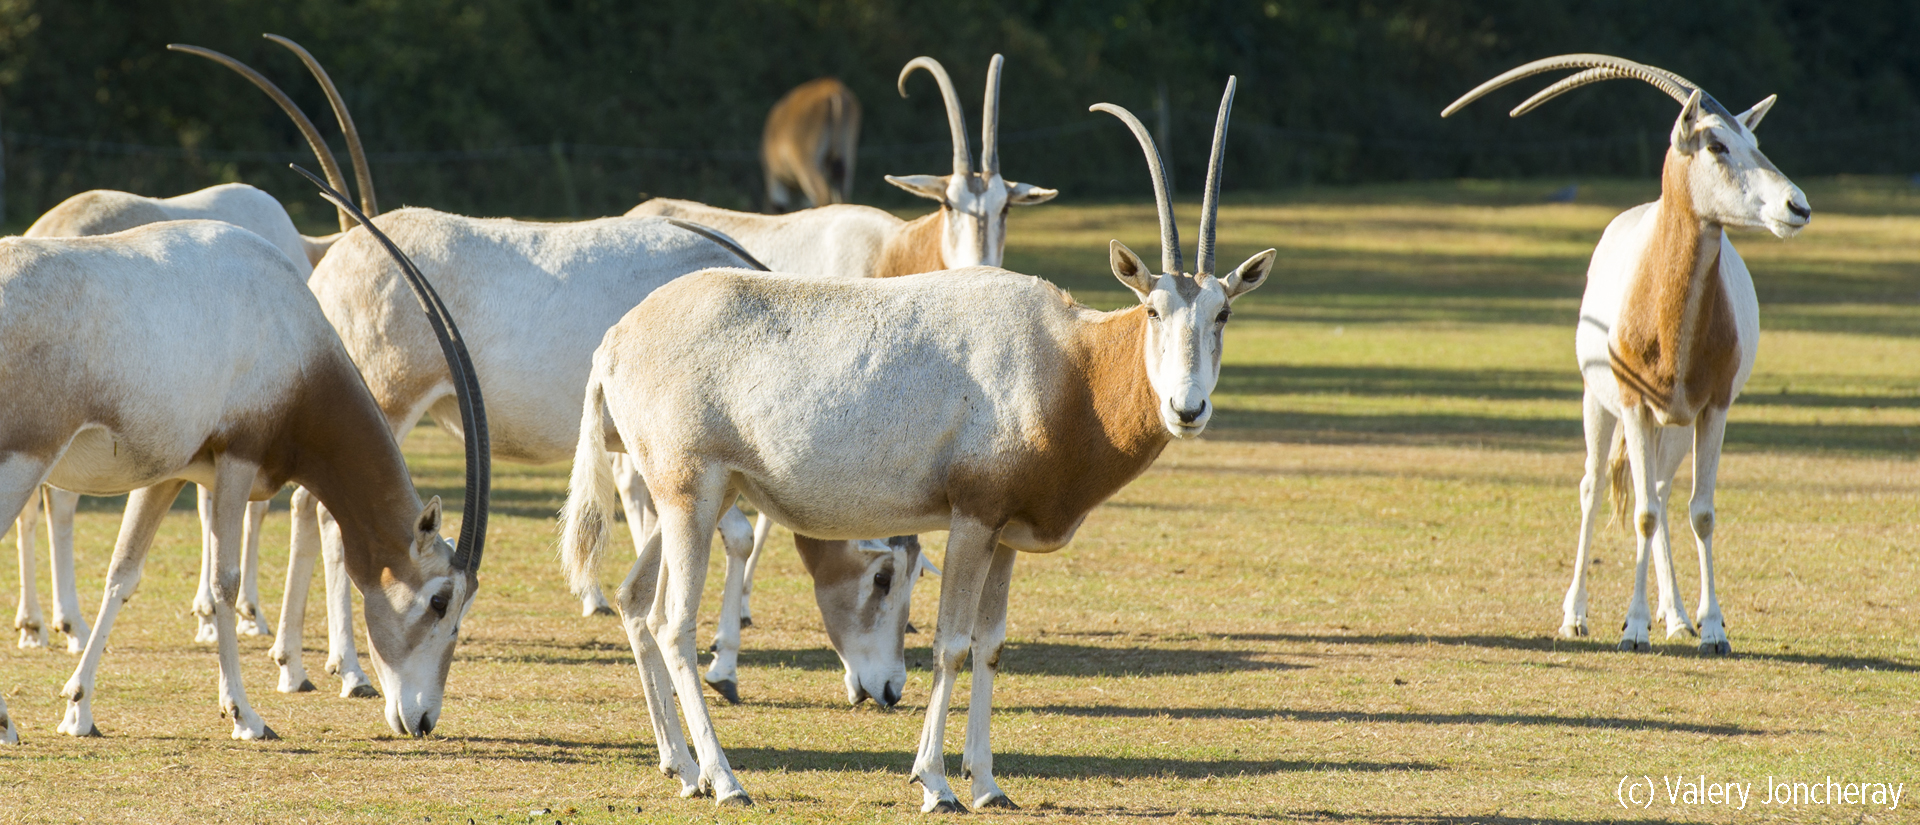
x=809, y=143
x=192, y=351
x=1669, y=327
x=1027, y=410
x=969, y=229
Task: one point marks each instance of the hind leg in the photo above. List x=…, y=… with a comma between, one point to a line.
x=637, y=595
x=145, y=509
x=62, y=507
x=689, y=512
x=247, y=611
x=27, y=618
x=736, y=535
x=762, y=527
x=1600, y=426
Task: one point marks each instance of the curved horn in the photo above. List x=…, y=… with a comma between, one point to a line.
x=362, y=175
x=320, y=150
x=722, y=239
x=1169, y=234
x=1210, y=203
x=1675, y=86
x=990, y=120
x=466, y=383
x=956, y=119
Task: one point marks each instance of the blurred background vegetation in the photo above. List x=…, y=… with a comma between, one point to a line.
x=557, y=108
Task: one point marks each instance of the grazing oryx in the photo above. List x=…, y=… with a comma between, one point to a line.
x=1028, y=410
x=192, y=351
x=969, y=229
x=809, y=144
x=1668, y=330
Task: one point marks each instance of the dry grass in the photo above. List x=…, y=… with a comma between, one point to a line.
x=1338, y=606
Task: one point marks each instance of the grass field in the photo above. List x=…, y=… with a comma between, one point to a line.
x=1338, y=606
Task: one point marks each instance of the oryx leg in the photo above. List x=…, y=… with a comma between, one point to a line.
x=971, y=547
x=1673, y=449
x=247, y=611
x=1642, y=445
x=9, y=735
x=20, y=479
x=62, y=507
x=145, y=508
x=688, y=513
x=232, y=483
x=1708, y=432
x=736, y=535
x=343, y=658
x=303, y=549
x=989, y=636
x=203, y=597
x=27, y=618
x=762, y=527
x=638, y=595
x=1600, y=426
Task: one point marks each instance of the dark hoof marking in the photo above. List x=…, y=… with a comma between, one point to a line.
x=1631, y=646
x=746, y=621
x=737, y=800
x=306, y=686
x=604, y=610
x=267, y=735
x=1716, y=649
x=998, y=800
x=363, y=692
x=728, y=689
x=94, y=732
x=911, y=628
x=948, y=806
x=714, y=648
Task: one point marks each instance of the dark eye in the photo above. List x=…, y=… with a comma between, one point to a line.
x=439, y=604
x=1153, y=313
x=1717, y=148
x=1224, y=315
x=883, y=582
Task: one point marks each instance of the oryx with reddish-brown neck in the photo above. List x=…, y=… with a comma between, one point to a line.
x=192, y=351
x=1027, y=411
x=1669, y=327
x=809, y=144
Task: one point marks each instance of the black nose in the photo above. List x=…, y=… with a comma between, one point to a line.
x=889, y=696
x=1188, y=416
x=1797, y=209
x=425, y=727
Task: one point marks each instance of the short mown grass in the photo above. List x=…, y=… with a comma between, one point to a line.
x=1338, y=605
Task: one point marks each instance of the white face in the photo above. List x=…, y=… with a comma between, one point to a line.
x=412, y=629
x=866, y=618
x=1186, y=321
x=976, y=206
x=1732, y=181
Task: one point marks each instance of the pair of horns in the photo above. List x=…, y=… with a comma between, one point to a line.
x=1210, y=203
x=957, y=120
x=1596, y=68
x=466, y=384
x=362, y=175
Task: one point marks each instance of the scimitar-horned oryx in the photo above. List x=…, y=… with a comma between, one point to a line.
x=1028, y=410
x=1669, y=327
x=192, y=351
x=809, y=143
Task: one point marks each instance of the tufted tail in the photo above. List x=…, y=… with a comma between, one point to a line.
x=587, y=520
x=1620, y=482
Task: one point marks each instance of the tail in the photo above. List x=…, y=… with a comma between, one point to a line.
x=587, y=520
x=1619, y=482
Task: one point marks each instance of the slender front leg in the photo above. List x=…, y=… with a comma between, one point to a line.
x=203, y=597
x=736, y=535
x=970, y=556
x=303, y=549
x=1708, y=433
x=145, y=508
x=27, y=618
x=247, y=611
x=232, y=482
x=1674, y=444
x=62, y=507
x=989, y=637
x=687, y=523
x=1600, y=426
x=1642, y=439
x=343, y=658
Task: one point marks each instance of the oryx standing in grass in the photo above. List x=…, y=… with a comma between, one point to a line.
x=1027, y=410
x=192, y=351
x=809, y=144
x=1669, y=327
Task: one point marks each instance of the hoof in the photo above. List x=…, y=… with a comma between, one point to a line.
x=1631, y=646
x=1573, y=631
x=1719, y=648
x=93, y=732
x=266, y=735
x=911, y=628
x=306, y=686
x=746, y=621
x=714, y=647
x=998, y=800
x=603, y=610
x=363, y=692
x=737, y=799
x=945, y=806
x=728, y=689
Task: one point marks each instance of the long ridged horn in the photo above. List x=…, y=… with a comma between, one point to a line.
x=722, y=239
x=990, y=120
x=320, y=150
x=466, y=385
x=1210, y=203
x=1674, y=85
x=956, y=119
x=1169, y=234
x=362, y=175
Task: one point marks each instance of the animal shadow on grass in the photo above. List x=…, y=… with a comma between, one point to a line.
x=1410, y=718
x=1553, y=644
x=1471, y=819
x=1015, y=763
x=1050, y=659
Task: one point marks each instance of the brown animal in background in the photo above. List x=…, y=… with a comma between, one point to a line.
x=809, y=144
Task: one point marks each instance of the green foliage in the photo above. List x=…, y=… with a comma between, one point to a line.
x=577, y=107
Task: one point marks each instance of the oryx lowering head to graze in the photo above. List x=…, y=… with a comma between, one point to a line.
x=192, y=351
x=1668, y=330
x=809, y=143
x=1028, y=410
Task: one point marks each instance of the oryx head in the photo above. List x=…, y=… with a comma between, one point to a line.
x=415, y=606
x=974, y=204
x=864, y=589
x=1712, y=151
x=1186, y=313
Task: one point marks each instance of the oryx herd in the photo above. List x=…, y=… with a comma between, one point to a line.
x=856, y=377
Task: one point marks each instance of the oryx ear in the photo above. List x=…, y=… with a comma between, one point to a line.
x=931, y=187
x=1026, y=194
x=1130, y=269
x=1685, y=140
x=1248, y=276
x=428, y=525
x=1751, y=118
